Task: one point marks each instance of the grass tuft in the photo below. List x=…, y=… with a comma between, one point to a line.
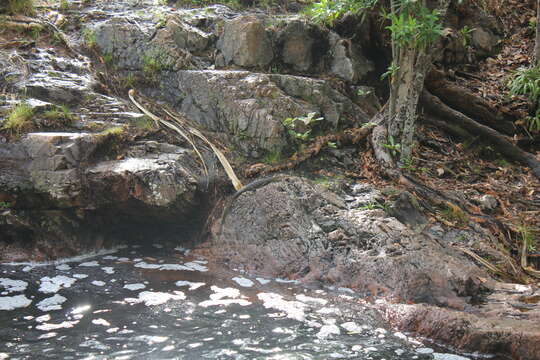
x=21, y=7
x=19, y=119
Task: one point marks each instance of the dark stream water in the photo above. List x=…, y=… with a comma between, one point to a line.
x=159, y=303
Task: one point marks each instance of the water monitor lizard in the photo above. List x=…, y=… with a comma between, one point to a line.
x=252, y=186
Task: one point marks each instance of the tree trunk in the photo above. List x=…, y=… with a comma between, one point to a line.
x=405, y=90
x=537, y=43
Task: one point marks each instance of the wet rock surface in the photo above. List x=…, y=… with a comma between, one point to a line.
x=294, y=228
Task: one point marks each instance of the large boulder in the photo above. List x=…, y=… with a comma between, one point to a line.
x=292, y=228
x=301, y=230
x=63, y=193
x=252, y=106
x=245, y=42
x=302, y=45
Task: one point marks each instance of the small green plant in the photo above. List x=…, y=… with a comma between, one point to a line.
x=414, y=26
x=19, y=119
x=5, y=205
x=392, y=146
x=144, y=122
x=373, y=205
x=273, y=157
x=115, y=131
x=108, y=59
x=89, y=37
x=64, y=5
x=526, y=82
x=59, y=114
x=533, y=122
x=532, y=23
x=22, y=7
x=465, y=34
x=528, y=236
x=128, y=81
x=306, y=122
x=35, y=31
x=455, y=215
x=363, y=92
x=328, y=11
x=155, y=61
x=390, y=72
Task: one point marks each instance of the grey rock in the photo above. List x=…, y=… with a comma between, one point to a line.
x=66, y=193
x=245, y=42
x=251, y=106
x=488, y=202
x=347, y=60
x=302, y=45
x=351, y=251
x=407, y=210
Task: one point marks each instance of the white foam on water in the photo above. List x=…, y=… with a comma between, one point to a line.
x=309, y=299
x=101, y=321
x=286, y=281
x=352, y=327
x=14, y=302
x=145, y=265
x=150, y=340
x=62, y=325
x=192, y=285
x=425, y=350
x=262, y=281
x=151, y=298
x=243, y=281
x=13, y=285
x=190, y=266
x=327, y=331
x=108, y=269
x=220, y=293
x=134, y=287
x=63, y=267
x=80, y=276
x=98, y=283
x=43, y=318
x=110, y=257
x=81, y=309
x=47, y=335
x=293, y=309
x=89, y=264
x=224, y=302
x=52, y=285
x=112, y=330
x=440, y=356
x=174, y=267
x=51, y=303
x=196, y=266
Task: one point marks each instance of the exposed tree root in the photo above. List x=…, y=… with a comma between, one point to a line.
x=349, y=136
x=434, y=106
x=466, y=102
